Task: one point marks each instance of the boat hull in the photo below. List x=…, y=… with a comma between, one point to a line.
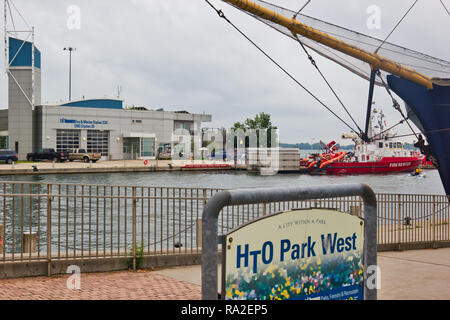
x=430, y=111
x=386, y=165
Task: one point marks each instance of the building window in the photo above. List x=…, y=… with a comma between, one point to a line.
x=98, y=142
x=67, y=139
x=186, y=125
x=148, y=147
x=4, y=142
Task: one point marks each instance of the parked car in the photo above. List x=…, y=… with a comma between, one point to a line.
x=48, y=154
x=81, y=154
x=9, y=156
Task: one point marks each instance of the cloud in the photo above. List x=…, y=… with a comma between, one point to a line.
x=179, y=54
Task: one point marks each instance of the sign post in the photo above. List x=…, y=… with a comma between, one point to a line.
x=299, y=254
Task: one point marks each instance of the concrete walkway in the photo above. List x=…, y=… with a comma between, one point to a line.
x=47, y=167
x=141, y=285
x=407, y=275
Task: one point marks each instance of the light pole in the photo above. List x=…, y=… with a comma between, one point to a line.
x=70, y=49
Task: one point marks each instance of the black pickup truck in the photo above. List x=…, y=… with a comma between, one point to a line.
x=48, y=154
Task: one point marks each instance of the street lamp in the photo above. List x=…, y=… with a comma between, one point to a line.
x=70, y=49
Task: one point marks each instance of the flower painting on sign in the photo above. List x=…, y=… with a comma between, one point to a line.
x=301, y=254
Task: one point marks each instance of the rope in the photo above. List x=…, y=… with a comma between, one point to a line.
x=222, y=15
x=374, y=137
x=63, y=245
x=170, y=237
x=415, y=219
x=398, y=23
x=301, y=9
x=425, y=132
x=396, y=104
x=445, y=7
x=313, y=62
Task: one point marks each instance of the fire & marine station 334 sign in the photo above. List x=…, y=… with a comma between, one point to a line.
x=300, y=254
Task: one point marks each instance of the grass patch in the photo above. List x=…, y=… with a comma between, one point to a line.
x=139, y=257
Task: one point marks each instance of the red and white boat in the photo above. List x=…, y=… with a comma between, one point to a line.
x=384, y=154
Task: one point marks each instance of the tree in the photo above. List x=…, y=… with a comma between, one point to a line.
x=260, y=122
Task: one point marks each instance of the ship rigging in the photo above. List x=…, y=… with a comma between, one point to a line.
x=421, y=81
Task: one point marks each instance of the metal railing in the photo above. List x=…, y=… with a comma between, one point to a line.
x=47, y=221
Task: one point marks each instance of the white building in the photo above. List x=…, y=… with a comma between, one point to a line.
x=97, y=125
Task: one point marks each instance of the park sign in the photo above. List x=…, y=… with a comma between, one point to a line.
x=295, y=255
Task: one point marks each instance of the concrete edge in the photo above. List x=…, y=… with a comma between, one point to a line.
x=92, y=265
x=102, y=170
x=413, y=246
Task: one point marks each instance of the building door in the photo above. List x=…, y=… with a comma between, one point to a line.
x=131, y=148
x=135, y=148
x=67, y=139
x=98, y=141
x=148, y=148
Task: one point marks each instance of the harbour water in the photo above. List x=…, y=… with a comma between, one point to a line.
x=166, y=216
x=393, y=183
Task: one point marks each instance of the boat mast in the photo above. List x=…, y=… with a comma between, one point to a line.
x=297, y=28
x=369, y=104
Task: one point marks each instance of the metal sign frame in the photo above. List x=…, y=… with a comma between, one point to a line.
x=252, y=196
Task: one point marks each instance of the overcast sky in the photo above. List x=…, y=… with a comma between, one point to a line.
x=178, y=54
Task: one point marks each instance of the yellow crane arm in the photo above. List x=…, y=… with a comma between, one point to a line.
x=296, y=27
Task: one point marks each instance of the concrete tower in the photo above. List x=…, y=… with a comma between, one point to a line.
x=23, y=67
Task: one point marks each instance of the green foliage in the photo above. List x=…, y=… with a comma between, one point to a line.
x=139, y=257
x=296, y=280
x=260, y=122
